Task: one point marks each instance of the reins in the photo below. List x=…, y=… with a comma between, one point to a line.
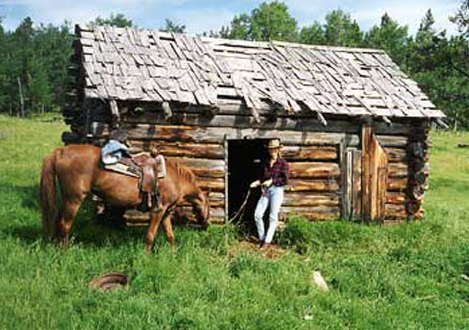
x=240, y=211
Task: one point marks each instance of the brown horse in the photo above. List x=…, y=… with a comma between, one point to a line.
x=78, y=173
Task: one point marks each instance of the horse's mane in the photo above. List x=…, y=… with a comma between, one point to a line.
x=183, y=171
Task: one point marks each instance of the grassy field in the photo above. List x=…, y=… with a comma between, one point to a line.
x=404, y=277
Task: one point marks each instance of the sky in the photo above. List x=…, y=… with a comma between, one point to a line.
x=205, y=15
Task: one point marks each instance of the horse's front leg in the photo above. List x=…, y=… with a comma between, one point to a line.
x=156, y=217
x=168, y=230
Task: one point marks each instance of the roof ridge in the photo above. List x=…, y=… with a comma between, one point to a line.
x=253, y=43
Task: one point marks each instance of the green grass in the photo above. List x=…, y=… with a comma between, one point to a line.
x=405, y=277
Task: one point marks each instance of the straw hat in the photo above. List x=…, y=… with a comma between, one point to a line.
x=274, y=144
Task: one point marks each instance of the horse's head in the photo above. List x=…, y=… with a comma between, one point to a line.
x=201, y=208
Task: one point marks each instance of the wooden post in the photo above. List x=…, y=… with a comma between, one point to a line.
x=344, y=205
x=366, y=173
x=225, y=147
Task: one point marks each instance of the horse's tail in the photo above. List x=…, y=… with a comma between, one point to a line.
x=48, y=194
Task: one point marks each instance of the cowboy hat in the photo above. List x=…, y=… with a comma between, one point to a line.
x=274, y=144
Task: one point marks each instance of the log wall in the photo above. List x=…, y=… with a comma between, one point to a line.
x=314, y=152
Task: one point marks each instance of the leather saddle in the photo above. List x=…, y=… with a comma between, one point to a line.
x=148, y=169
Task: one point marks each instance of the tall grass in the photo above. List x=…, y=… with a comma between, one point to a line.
x=406, y=277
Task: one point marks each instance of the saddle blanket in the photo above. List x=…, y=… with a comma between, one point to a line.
x=124, y=169
x=133, y=167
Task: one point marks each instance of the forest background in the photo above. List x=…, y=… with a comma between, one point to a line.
x=35, y=59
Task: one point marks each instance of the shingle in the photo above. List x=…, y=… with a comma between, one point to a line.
x=159, y=66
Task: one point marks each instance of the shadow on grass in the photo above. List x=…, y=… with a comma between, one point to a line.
x=28, y=195
x=87, y=229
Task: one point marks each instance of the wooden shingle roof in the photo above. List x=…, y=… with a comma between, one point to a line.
x=144, y=65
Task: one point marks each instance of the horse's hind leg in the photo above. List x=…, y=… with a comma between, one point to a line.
x=66, y=218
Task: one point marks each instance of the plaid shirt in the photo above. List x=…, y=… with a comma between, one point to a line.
x=278, y=173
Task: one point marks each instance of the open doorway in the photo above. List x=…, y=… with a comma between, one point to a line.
x=245, y=163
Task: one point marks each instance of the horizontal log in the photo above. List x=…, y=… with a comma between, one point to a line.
x=212, y=164
x=398, y=170
x=217, y=185
x=216, y=151
x=216, y=199
x=136, y=219
x=392, y=141
x=200, y=172
x=219, y=120
x=397, y=184
x=310, y=199
x=215, y=212
x=313, y=213
x=396, y=155
x=233, y=115
x=395, y=211
x=217, y=135
x=181, y=149
x=314, y=170
x=399, y=211
x=298, y=185
x=395, y=198
x=292, y=153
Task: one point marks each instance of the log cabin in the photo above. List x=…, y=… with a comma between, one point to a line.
x=354, y=127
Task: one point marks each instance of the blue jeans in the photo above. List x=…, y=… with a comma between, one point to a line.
x=274, y=197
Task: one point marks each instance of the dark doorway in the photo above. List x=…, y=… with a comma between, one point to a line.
x=245, y=163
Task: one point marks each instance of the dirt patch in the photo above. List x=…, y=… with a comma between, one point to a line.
x=271, y=252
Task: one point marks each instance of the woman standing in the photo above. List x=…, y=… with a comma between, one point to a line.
x=272, y=181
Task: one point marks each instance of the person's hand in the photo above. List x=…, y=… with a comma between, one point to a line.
x=255, y=184
x=267, y=183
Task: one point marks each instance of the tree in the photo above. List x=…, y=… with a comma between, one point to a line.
x=3, y=75
x=171, y=26
x=269, y=21
x=118, y=20
x=313, y=35
x=389, y=36
x=53, y=43
x=272, y=21
x=439, y=65
x=240, y=27
x=461, y=18
x=341, y=30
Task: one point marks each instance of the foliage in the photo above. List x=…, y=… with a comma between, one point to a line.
x=37, y=60
x=389, y=36
x=171, y=26
x=272, y=21
x=268, y=21
x=405, y=277
x=312, y=34
x=341, y=30
x=440, y=66
x=437, y=62
x=461, y=18
x=117, y=20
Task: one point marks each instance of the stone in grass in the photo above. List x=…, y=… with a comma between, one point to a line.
x=319, y=281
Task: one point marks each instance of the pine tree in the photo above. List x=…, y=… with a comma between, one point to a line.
x=171, y=26
x=389, y=36
x=341, y=30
